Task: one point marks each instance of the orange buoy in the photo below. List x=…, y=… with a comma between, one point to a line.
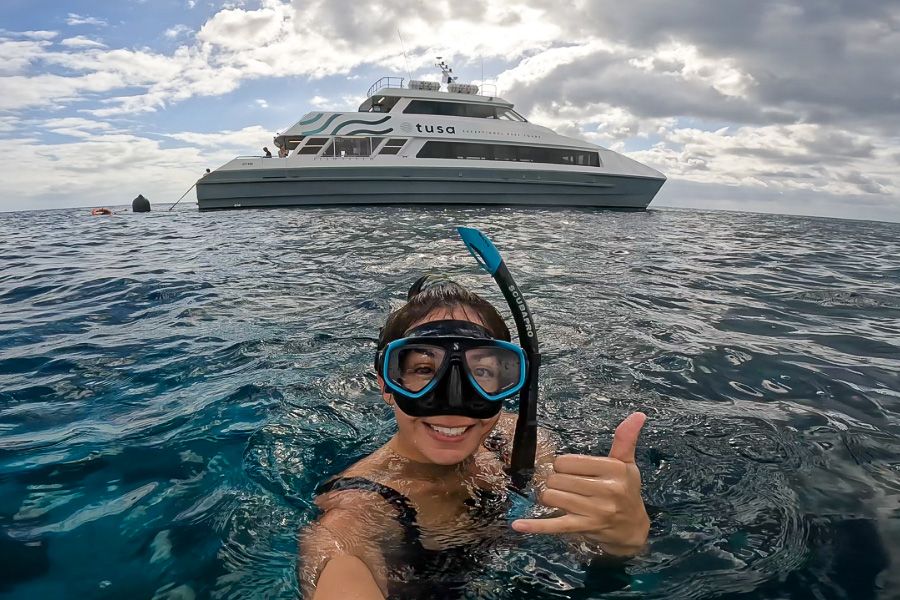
x=101, y=211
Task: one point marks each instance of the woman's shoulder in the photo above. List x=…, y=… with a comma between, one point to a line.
x=357, y=485
x=355, y=507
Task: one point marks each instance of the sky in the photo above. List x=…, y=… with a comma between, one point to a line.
x=772, y=106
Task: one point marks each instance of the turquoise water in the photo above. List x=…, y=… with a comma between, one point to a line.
x=174, y=385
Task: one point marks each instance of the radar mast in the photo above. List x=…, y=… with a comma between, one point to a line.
x=446, y=72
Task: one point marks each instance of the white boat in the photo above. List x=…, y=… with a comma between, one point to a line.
x=425, y=142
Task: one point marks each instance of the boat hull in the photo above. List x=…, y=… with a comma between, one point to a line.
x=323, y=186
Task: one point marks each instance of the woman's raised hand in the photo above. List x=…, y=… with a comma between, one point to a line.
x=601, y=496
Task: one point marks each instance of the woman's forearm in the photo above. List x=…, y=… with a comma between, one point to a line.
x=347, y=578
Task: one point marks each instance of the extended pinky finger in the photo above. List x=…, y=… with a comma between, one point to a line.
x=563, y=524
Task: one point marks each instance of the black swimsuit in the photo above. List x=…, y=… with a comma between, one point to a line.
x=416, y=571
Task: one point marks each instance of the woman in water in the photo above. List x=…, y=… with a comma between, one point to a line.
x=403, y=520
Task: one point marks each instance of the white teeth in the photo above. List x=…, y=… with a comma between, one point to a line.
x=452, y=431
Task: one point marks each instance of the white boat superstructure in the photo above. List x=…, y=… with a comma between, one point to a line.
x=422, y=142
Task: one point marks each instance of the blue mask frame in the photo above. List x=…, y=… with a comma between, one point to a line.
x=461, y=343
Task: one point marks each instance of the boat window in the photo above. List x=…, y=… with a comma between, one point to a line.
x=508, y=114
x=502, y=152
x=349, y=147
x=455, y=109
x=393, y=146
x=509, y=152
x=313, y=145
x=383, y=103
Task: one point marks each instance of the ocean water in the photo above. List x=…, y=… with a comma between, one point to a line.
x=174, y=385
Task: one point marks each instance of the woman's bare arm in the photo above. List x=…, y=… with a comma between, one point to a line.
x=341, y=553
x=347, y=578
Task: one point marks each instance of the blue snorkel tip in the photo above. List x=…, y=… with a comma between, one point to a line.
x=481, y=248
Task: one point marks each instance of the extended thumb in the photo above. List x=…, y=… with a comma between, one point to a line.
x=626, y=437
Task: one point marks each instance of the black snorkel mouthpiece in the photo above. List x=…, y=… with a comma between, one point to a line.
x=525, y=439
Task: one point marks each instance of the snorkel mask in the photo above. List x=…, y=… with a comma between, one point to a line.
x=457, y=367
x=452, y=368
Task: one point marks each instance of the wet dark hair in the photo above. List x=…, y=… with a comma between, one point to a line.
x=425, y=297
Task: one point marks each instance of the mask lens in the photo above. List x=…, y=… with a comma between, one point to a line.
x=414, y=366
x=494, y=369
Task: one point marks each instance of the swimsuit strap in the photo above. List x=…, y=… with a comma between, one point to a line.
x=406, y=514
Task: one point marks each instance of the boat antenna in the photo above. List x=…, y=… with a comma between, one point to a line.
x=525, y=438
x=405, y=59
x=446, y=71
x=481, y=56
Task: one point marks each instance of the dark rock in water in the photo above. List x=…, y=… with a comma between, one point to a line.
x=140, y=204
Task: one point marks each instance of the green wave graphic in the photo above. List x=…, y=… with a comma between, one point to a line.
x=370, y=131
x=360, y=121
x=314, y=118
x=328, y=122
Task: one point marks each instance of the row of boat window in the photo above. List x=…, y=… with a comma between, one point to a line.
x=351, y=146
x=449, y=109
x=344, y=147
x=507, y=152
x=458, y=109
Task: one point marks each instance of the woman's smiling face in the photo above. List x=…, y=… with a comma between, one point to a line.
x=441, y=439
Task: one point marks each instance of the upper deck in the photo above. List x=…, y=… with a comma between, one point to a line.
x=384, y=94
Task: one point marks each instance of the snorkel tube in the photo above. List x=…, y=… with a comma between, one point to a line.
x=525, y=440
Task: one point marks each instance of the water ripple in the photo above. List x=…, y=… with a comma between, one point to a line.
x=174, y=385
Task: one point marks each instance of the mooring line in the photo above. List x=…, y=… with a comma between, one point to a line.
x=182, y=196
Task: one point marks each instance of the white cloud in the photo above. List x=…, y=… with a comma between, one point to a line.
x=19, y=54
x=542, y=64
x=780, y=157
x=75, y=19
x=349, y=102
x=239, y=29
x=686, y=60
x=76, y=126
x=261, y=102
x=320, y=102
x=8, y=124
x=248, y=137
x=37, y=35
x=600, y=123
x=22, y=92
x=79, y=41
x=280, y=40
x=112, y=168
x=176, y=31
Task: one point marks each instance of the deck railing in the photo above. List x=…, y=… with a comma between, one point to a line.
x=485, y=89
x=386, y=82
